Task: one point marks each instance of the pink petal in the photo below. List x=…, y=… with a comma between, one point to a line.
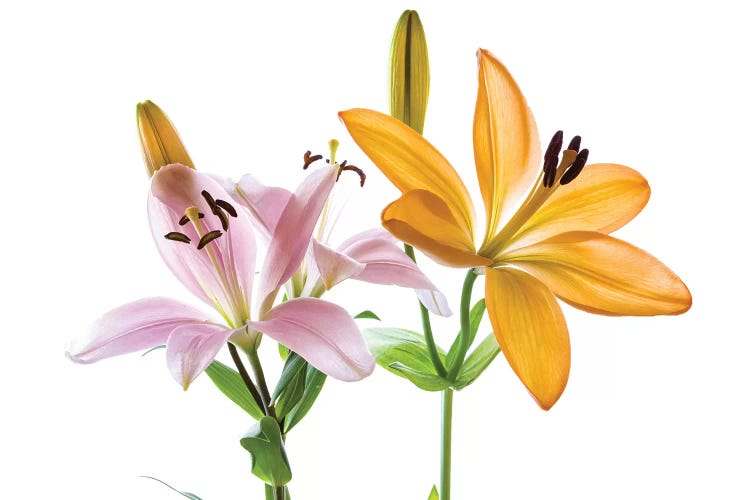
x=293, y=233
x=322, y=333
x=387, y=264
x=191, y=348
x=133, y=327
x=265, y=203
x=333, y=266
x=221, y=274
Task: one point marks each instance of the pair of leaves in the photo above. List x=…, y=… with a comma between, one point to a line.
x=405, y=353
x=298, y=388
x=265, y=444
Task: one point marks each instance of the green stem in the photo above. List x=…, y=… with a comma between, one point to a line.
x=471, y=277
x=260, y=378
x=246, y=377
x=445, y=445
x=279, y=493
x=426, y=326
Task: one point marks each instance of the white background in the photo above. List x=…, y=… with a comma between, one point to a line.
x=655, y=407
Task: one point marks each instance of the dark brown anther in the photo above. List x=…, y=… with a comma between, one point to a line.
x=555, y=145
x=575, y=168
x=175, y=236
x=223, y=218
x=210, y=200
x=359, y=171
x=309, y=160
x=575, y=143
x=208, y=238
x=227, y=207
x=550, y=170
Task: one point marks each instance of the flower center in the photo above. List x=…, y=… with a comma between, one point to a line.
x=229, y=282
x=555, y=172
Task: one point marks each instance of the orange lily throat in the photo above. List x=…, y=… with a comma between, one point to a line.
x=555, y=172
x=310, y=159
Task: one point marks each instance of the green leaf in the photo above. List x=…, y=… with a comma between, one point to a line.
x=266, y=448
x=191, y=496
x=294, y=388
x=424, y=381
x=294, y=363
x=283, y=351
x=314, y=381
x=475, y=318
x=156, y=348
x=231, y=385
x=367, y=315
x=434, y=494
x=477, y=361
x=405, y=353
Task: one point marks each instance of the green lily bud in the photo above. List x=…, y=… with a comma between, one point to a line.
x=410, y=71
x=160, y=142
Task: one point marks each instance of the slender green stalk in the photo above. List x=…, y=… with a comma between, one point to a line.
x=445, y=445
x=260, y=378
x=471, y=277
x=426, y=326
x=246, y=377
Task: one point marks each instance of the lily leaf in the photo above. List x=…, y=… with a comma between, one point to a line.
x=294, y=389
x=367, y=315
x=405, y=353
x=475, y=318
x=294, y=363
x=434, y=494
x=266, y=448
x=314, y=381
x=186, y=494
x=477, y=361
x=231, y=385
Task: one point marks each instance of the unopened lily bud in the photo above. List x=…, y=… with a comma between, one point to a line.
x=410, y=71
x=160, y=142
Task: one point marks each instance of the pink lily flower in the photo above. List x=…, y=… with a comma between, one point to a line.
x=210, y=247
x=373, y=256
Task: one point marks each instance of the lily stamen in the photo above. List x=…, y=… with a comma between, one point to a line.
x=208, y=238
x=358, y=170
x=184, y=220
x=175, y=236
x=309, y=160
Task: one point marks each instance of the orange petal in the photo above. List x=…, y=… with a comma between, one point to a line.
x=425, y=221
x=604, y=275
x=603, y=198
x=409, y=160
x=506, y=142
x=531, y=331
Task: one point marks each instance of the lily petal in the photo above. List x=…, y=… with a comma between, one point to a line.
x=322, y=333
x=191, y=348
x=387, y=264
x=506, y=142
x=531, y=331
x=133, y=327
x=293, y=233
x=334, y=266
x=222, y=273
x=603, y=198
x=265, y=203
x=424, y=220
x=409, y=161
x=604, y=275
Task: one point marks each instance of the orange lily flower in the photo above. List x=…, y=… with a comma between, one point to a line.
x=548, y=221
